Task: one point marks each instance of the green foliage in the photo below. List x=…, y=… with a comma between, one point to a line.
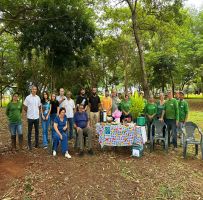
x=136, y=105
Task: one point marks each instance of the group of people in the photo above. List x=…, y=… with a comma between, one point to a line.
x=64, y=115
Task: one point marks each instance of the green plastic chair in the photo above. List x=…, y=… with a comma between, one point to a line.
x=158, y=134
x=189, y=138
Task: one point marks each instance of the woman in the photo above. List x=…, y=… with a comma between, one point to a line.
x=54, y=108
x=13, y=112
x=60, y=133
x=125, y=108
x=45, y=111
x=160, y=105
x=150, y=113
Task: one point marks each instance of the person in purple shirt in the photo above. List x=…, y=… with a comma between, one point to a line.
x=82, y=127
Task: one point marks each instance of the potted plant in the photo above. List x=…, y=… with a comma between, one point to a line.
x=136, y=105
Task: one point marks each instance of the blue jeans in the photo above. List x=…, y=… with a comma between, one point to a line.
x=171, y=125
x=52, y=117
x=64, y=142
x=45, y=129
x=70, y=121
x=15, y=128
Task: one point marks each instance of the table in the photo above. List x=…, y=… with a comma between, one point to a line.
x=120, y=135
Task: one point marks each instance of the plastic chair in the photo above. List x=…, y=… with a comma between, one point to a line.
x=158, y=134
x=189, y=138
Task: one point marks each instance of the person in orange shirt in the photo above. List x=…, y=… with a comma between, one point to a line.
x=106, y=103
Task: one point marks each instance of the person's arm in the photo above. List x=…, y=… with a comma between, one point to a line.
x=75, y=123
x=57, y=130
x=7, y=109
x=88, y=121
x=186, y=111
x=177, y=112
x=155, y=111
x=62, y=99
x=86, y=104
x=65, y=127
x=42, y=113
x=49, y=112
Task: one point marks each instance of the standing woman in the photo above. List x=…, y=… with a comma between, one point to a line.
x=54, y=108
x=150, y=113
x=13, y=112
x=125, y=108
x=60, y=133
x=45, y=111
x=160, y=105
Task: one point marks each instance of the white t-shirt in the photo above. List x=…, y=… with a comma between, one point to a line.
x=33, y=103
x=59, y=98
x=69, y=105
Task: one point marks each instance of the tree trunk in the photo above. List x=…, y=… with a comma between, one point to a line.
x=139, y=46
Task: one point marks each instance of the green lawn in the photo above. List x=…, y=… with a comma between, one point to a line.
x=197, y=117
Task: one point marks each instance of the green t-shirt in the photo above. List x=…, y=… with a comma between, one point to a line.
x=125, y=105
x=13, y=112
x=160, y=108
x=171, y=109
x=150, y=109
x=183, y=110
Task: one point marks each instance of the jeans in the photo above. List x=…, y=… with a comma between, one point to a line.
x=70, y=121
x=52, y=117
x=171, y=125
x=30, y=125
x=64, y=142
x=15, y=128
x=45, y=129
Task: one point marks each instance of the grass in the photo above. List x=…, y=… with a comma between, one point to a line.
x=197, y=117
x=193, y=96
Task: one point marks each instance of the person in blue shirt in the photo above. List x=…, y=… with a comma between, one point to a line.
x=82, y=127
x=60, y=133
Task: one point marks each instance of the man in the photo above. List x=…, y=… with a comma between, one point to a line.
x=69, y=105
x=32, y=105
x=106, y=103
x=115, y=100
x=171, y=112
x=83, y=129
x=61, y=97
x=177, y=95
x=82, y=99
x=94, y=103
x=183, y=112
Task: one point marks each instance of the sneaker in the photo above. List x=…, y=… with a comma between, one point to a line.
x=91, y=152
x=54, y=153
x=81, y=153
x=67, y=155
x=45, y=147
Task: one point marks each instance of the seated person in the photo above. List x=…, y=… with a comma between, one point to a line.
x=82, y=127
x=59, y=133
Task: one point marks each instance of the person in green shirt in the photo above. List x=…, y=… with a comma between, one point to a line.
x=171, y=112
x=125, y=108
x=13, y=112
x=150, y=111
x=183, y=113
x=160, y=105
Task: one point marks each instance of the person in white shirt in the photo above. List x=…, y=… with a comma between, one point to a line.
x=69, y=105
x=61, y=97
x=32, y=106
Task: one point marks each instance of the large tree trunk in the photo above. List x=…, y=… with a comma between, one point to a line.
x=133, y=8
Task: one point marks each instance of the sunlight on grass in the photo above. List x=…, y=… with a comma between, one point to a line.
x=197, y=117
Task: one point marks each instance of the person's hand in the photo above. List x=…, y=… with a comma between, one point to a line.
x=64, y=128
x=47, y=117
x=177, y=123
x=61, y=137
x=78, y=129
x=43, y=117
x=161, y=119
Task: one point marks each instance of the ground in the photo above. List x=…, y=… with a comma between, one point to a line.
x=107, y=175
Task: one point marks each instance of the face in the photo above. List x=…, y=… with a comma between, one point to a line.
x=53, y=97
x=126, y=97
x=81, y=108
x=45, y=95
x=113, y=93
x=106, y=94
x=68, y=94
x=94, y=90
x=82, y=92
x=181, y=96
x=15, y=97
x=62, y=113
x=161, y=96
x=177, y=95
x=151, y=100
x=61, y=92
x=34, y=90
x=170, y=95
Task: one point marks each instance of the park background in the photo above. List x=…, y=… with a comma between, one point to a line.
x=153, y=45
